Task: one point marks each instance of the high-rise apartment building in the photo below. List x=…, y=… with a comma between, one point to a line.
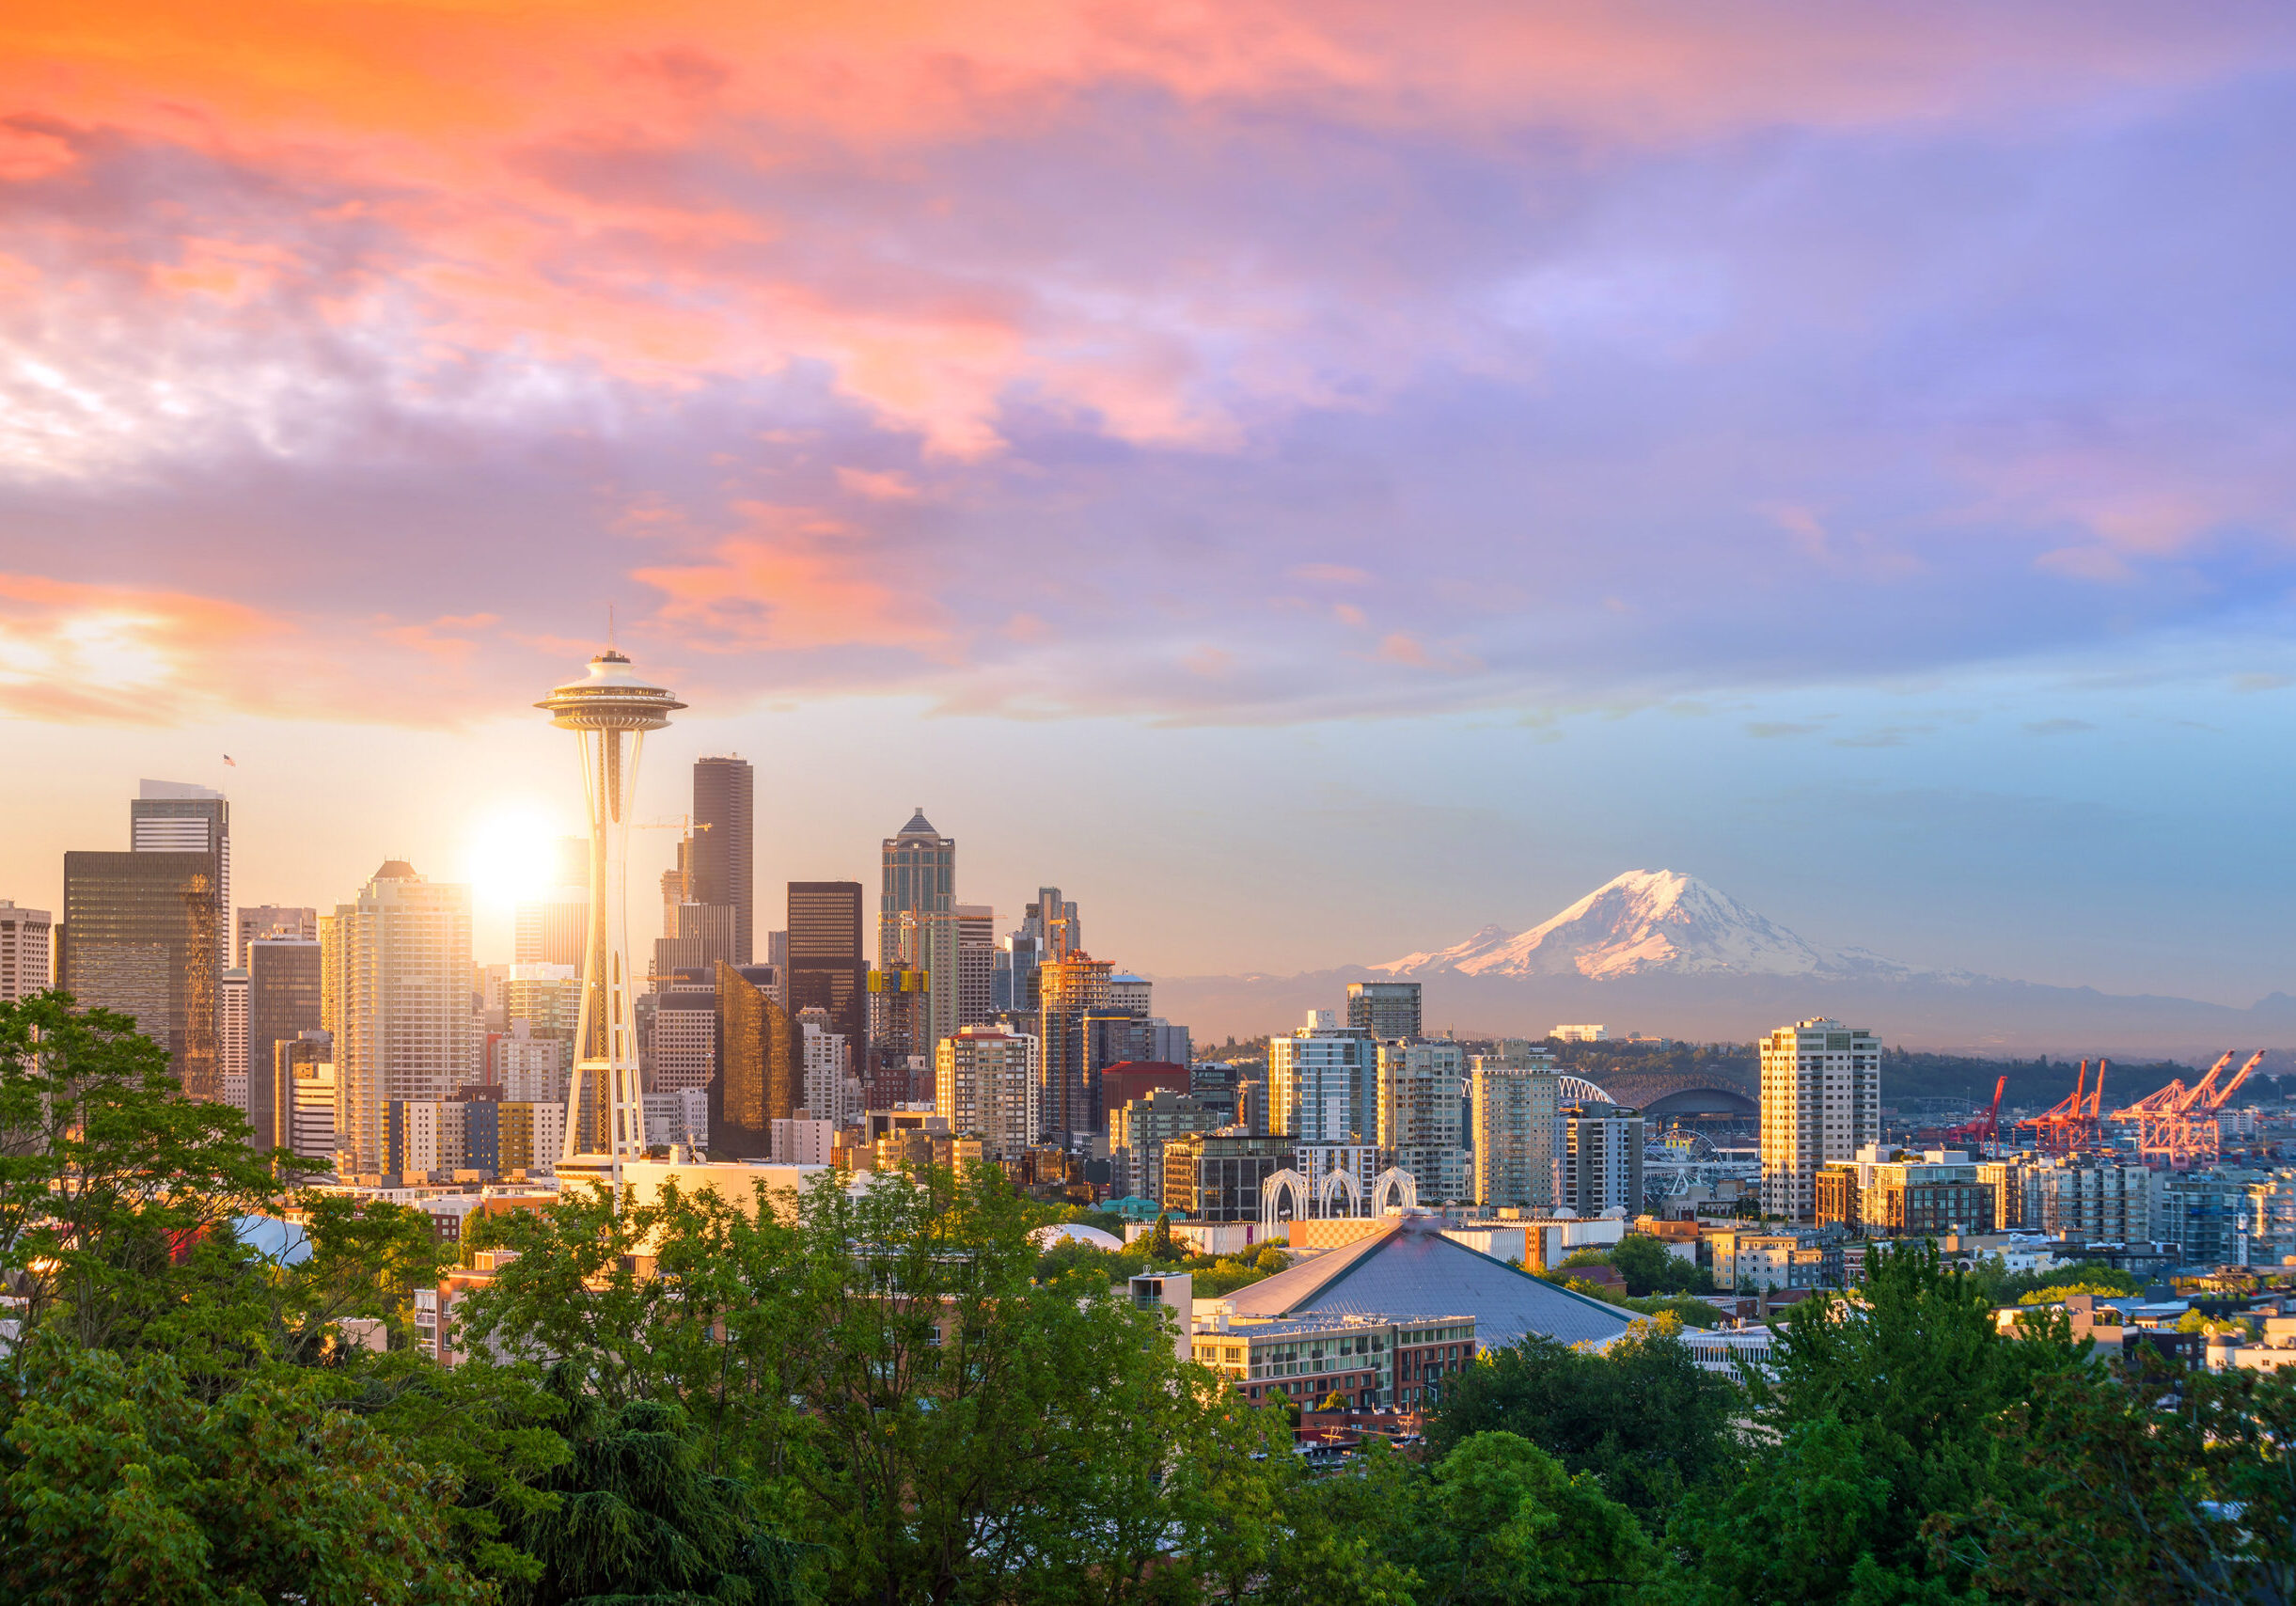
x=725, y=846
x=1069, y=991
x=527, y=1069
x=1515, y=1098
x=1821, y=1102
x=1323, y=1082
x=231, y=1036
x=1598, y=1160
x=407, y=1033
x=976, y=929
x=548, y=997
x=1422, y=1115
x=1388, y=1010
x=143, y=935
x=294, y=922
x=300, y=1098
x=1130, y=994
x=684, y=1041
x=917, y=926
x=832, y=1093
x=986, y=1087
x=826, y=966
x=23, y=951
x=1140, y=1128
x=759, y=1063
x=283, y=1003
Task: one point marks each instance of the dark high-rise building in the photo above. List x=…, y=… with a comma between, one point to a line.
x=144, y=934
x=826, y=971
x=282, y=1005
x=761, y=1065
x=724, y=851
x=1388, y=1010
x=175, y=817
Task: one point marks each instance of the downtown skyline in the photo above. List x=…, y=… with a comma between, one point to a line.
x=1832, y=453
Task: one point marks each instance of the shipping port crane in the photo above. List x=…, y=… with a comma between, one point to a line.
x=2177, y=1124
x=1984, y=1131
x=2075, y=1123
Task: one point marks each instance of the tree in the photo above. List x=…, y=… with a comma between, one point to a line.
x=1643, y=1416
x=1650, y=1268
x=117, y=1194
x=1160, y=1245
x=125, y=1486
x=638, y=1521
x=1894, y=1392
x=2152, y=1484
x=1502, y=1522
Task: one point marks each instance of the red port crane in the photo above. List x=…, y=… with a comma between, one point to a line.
x=2074, y=1122
x=2177, y=1124
x=1983, y=1130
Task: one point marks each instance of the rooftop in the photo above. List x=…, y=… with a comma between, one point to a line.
x=1409, y=1265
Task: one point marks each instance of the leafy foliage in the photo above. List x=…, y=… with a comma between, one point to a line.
x=125, y=1485
x=1642, y=1417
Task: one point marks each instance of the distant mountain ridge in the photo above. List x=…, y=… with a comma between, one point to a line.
x=1661, y=951
x=1645, y=923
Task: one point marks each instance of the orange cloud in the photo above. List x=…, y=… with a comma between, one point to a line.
x=114, y=655
x=797, y=582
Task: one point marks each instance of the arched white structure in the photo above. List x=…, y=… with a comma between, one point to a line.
x=1577, y=1090
x=1272, y=1193
x=1396, y=1182
x=1333, y=1183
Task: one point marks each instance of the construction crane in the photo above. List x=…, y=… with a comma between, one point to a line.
x=2075, y=1123
x=1983, y=1130
x=2177, y=1124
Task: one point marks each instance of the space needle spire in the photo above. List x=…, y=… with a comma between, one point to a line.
x=609, y=711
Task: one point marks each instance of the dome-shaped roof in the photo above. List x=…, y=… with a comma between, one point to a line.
x=1077, y=1232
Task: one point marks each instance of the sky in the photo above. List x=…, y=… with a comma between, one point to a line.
x=1307, y=478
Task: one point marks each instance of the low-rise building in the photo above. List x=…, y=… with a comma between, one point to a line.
x=1216, y=1176
x=1368, y=1361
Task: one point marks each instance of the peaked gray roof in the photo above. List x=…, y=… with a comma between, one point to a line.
x=1414, y=1270
x=919, y=826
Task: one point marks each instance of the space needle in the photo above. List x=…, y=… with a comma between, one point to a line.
x=609, y=711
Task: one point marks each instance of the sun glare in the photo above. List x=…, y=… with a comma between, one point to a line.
x=510, y=858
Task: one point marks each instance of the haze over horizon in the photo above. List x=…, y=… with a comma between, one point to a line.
x=1308, y=490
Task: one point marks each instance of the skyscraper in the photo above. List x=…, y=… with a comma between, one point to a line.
x=1421, y=1088
x=1598, y=1160
x=283, y=1003
x=1323, y=1082
x=272, y=920
x=1070, y=991
x=916, y=920
x=143, y=935
x=976, y=926
x=827, y=969
x=725, y=844
x=1821, y=1099
x=1388, y=1010
x=175, y=817
x=404, y=949
x=1516, y=1099
x=23, y=951
x=986, y=1087
x=761, y=1065
x=1052, y=920
x=231, y=1037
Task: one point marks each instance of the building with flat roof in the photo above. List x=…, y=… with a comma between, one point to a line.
x=1323, y=1081
x=1388, y=1010
x=985, y=1084
x=1514, y=1099
x=25, y=951
x=1821, y=1102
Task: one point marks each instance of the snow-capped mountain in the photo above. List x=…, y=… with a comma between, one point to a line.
x=1645, y=923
